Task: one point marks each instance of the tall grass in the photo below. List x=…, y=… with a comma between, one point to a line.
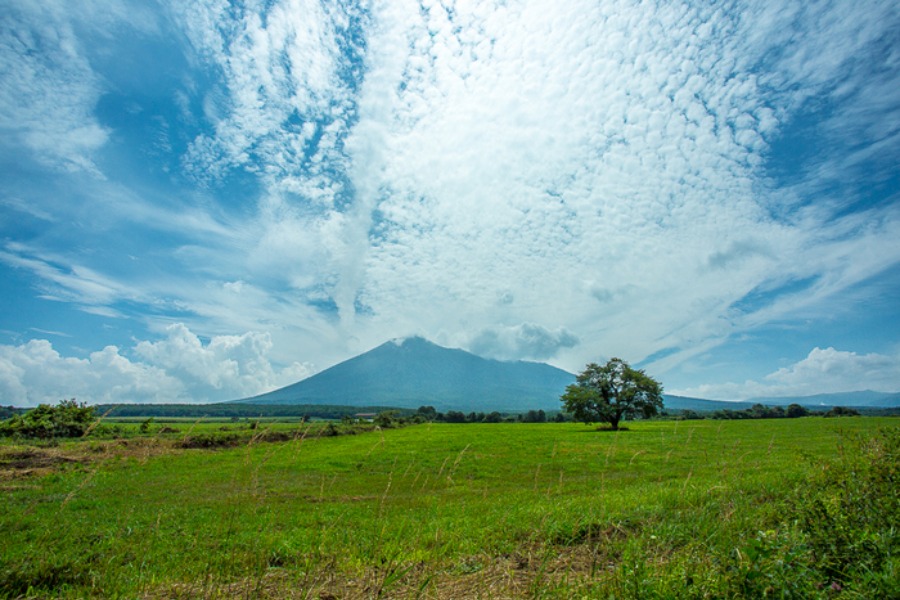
x=666, y=509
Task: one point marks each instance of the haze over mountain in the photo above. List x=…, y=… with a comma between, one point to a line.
x=412, y=372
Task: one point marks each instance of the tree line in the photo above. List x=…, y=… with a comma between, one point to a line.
x=429, y=413
x=229, y=410
x=761, y=411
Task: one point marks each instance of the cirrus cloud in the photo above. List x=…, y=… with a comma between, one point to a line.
x=544, y=180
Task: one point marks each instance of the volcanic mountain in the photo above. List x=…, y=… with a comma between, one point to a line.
x=413, y=372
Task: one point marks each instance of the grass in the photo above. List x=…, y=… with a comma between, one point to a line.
x=667, y=509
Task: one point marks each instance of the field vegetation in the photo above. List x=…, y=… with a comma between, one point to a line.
x=801, y=508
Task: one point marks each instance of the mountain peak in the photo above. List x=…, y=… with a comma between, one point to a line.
x=411, y=371
x=409, y=340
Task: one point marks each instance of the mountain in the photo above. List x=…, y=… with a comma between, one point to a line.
x=699, y=404
x=863, y=399
x=413, y=372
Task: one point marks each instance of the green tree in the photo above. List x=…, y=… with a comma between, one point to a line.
x=428, y=413
x=534, y=416
x=494, y=417
x=67, y=419
x=842, y=411
x=387, y=418
x=612, y=392
x=455, y=416
x=795, y=410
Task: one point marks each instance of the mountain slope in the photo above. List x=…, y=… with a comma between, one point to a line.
x=699, y=404
x=414, y=372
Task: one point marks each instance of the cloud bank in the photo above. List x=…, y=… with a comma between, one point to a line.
x=179, y=368
x=822, y=371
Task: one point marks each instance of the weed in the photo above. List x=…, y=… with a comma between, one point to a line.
x=850, y=512
x=43, y=575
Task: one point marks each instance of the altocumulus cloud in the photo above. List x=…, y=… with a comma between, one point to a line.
x=547, y=180
x=179, y=368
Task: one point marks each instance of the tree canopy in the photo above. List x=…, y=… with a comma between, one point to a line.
x=612, y=392
x=68, y=419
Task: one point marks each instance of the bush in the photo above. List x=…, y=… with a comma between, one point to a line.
x=849, y=512
x=690, y=415
x=795, y=411
x=841, y=411
x=67, y=419
x=388, y=418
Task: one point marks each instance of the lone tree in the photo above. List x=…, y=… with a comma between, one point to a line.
x=611, y=393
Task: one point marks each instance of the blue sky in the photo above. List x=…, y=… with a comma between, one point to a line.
x=201, y=201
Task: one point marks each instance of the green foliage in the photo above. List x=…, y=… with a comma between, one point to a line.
x=850, y=513
x=67, y=419
x=427, y=412
x=454, y=416
x=388, y=418
x=493, y=417
x=690, y=415
x=761, y=411
x=769, y=564
x=795, y=410
x=841, y=411
x=534, y=416
x=43, y=575
x=611, y=393
x=837, y=535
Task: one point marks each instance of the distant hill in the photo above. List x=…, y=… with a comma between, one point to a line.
x=699, y=404
x=413, y=372
x=863, y=399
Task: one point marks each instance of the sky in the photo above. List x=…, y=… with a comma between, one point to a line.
x=202, y=201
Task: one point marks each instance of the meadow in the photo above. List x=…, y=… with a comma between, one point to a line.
x=667, y=509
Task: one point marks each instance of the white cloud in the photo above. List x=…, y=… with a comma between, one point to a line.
x=179, y=368
x=502, y=175
x=823, y=371
x=70, y=283
x=600, y=160
x=227, y=367
x=48, y=89
x=35, y=373
x=281, y=86
x=524, y=341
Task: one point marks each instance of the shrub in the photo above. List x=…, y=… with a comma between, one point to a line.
x=795, y=410
x=841, y=411
x=849, y=513
x=67, y=419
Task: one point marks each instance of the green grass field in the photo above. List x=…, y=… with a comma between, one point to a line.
x=688, y=509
